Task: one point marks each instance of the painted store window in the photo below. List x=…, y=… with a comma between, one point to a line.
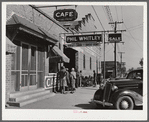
x=90, y=63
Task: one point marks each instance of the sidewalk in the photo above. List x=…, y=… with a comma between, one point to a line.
x=79, y=100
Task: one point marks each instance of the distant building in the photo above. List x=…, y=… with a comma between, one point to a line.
x=110, y=68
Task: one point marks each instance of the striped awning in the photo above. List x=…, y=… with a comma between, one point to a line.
x=59, y=56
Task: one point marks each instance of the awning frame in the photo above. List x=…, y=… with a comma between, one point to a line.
x=60, y=56
x=35, y=30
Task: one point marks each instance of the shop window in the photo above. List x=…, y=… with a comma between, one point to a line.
x=84, y=61
x=15, y=69
x=33, y=66
x=90, y=63
x=40, y=71
x=27, y=66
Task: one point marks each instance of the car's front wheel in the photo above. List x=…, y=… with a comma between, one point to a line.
x=124, y=103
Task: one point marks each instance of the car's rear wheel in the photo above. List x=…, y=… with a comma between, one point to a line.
x=124, y=103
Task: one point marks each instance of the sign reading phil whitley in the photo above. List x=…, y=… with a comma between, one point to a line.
x=84, y=38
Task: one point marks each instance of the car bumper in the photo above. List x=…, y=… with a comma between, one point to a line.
x=102, y=103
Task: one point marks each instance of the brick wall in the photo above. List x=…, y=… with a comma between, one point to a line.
x=8, y=76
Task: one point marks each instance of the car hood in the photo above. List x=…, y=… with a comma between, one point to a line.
x=126, y=82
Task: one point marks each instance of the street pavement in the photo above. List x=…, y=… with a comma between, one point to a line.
x=81, y=99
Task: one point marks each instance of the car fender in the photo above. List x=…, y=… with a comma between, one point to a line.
x=98, y=94
x=137, y=98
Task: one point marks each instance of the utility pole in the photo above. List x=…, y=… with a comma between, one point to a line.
x=115, y=27
x=104, y=74
x=121, y=61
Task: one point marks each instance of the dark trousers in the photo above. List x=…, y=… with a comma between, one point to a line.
x=62, y=89
x=77, y=82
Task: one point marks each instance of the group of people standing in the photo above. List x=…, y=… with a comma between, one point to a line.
x=69, y=80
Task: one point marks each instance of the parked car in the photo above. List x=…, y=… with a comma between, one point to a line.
x=121, y=93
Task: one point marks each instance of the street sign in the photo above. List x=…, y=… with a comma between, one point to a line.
x=84, y=38
x=82, y=44
x=115, y=37
x=65, y=15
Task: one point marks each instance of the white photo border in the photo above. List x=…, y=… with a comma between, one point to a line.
x=52, y=114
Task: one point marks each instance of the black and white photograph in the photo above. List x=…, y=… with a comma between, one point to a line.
x=74, y=61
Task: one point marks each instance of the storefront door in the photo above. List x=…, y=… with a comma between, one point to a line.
x=29, y=67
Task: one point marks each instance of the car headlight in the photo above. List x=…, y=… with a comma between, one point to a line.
x=102, y=84
x=114, y=87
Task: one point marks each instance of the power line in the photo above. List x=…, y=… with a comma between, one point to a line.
x=135, y=26
x=133, y=37
x=98, y=17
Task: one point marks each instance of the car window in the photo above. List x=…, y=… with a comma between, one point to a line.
x=135, y=75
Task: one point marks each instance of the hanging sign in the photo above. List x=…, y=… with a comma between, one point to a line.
x=115, y=37
x=84, y=38
x=65, y=15
x=81, y=44
x=50, y=81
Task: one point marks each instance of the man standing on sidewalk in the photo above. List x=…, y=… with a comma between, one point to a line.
x=94, y=78
x=63, y=82
x=68, y=79
x=80, y=78
x=73, y=80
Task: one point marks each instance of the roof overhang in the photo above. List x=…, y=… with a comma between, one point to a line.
x=59, y=56
x=18, y=24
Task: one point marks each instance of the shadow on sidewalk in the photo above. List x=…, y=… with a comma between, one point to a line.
x=90, y=88
x=86, y=106
x=93, y=106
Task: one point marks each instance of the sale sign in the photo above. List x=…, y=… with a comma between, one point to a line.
x=115, y=37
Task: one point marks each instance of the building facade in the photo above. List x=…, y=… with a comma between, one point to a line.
x=86, y=58
x=110, y=68
x=33, y=48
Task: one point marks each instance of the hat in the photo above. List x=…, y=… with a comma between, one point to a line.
x=72, y=69
x=62, y=67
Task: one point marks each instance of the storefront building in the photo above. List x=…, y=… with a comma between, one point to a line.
x=83, y=58
x=35, y=47
x=32, y=49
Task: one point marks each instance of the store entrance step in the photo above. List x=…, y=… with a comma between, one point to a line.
x=20, y=99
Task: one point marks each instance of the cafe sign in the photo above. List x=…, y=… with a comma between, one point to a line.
x=84, y=38
x=65, y=15
x=50, y=81
x=115, y=37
